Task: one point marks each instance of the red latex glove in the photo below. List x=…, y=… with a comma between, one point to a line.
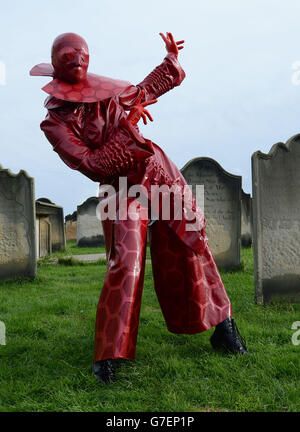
x=171, y=45
x=138, y=110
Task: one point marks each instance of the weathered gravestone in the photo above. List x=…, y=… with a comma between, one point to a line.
x=17, y=225
x=89, y=227
x=222, y=208
x=246, y=219
x=276, y=222
x=44, y=240
x=71, y=226
x=54, y=215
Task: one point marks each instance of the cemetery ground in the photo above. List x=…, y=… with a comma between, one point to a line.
x=46, y=364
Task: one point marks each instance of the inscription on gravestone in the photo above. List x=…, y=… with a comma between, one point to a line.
x=222, y=208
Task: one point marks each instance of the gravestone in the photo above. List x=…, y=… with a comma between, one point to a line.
x=89, y=227
x=71, y=226
x=55, y=216
x=246, y=219
x=45, y=200
x=222, y=208
x=17, y=225
x=276, y=222
x=43, y=236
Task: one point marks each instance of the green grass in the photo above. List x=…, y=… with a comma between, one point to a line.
x=71, y=249
x=46, y=363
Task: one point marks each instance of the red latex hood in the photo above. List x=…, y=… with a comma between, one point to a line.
x=71, y=81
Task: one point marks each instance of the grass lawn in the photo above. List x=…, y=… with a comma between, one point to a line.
x=46, y=362
x=72, y=249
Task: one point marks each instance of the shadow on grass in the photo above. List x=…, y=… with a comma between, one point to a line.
x=19, y=280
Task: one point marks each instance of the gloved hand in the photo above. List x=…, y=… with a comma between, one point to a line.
x=138, y=110
x=171, y=45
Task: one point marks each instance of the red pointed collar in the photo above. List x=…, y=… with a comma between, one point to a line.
x=92, y=89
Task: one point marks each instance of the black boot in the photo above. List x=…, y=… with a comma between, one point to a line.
x=104, y=371
x=227, y=337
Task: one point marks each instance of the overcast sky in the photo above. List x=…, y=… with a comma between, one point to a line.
x=238, y=95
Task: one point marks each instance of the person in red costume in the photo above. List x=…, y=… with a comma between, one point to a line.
x=92, y=125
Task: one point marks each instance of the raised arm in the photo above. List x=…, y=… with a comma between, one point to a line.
x=163, y=78
x=168, y=74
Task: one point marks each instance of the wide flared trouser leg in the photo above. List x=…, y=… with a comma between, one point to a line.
x=188, y=285
x=119, y=305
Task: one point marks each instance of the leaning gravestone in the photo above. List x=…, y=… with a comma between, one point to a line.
x=246, y=219
x=222, y=208
x=17, y=225
x=89, y=227
x=276, y=222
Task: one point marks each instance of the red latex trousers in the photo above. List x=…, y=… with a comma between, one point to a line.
x=188, y=286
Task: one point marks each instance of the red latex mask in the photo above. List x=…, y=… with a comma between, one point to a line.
x=71, y=81
x=70, y=58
